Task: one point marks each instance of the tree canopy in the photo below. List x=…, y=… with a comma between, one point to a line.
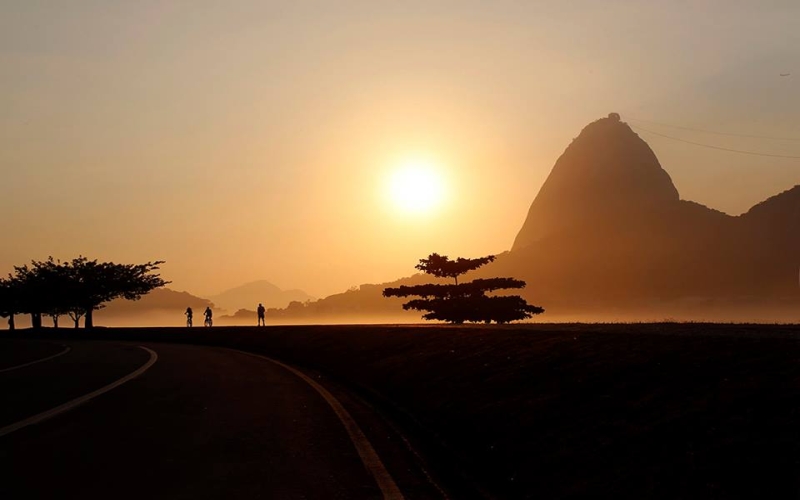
x=75, y=288
x=464, y=302
x=9, y=303
x=442, y=267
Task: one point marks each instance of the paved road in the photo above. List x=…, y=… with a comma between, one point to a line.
x=200, y=422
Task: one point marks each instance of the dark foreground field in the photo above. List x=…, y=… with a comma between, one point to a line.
x=553, y=411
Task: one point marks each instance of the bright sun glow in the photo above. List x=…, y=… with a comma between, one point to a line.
x=416, y=187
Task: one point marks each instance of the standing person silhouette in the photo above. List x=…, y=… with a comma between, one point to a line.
x=208, y=314
x=189, y=313
x=261, y=312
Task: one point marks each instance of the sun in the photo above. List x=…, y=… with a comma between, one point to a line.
x=416, y=187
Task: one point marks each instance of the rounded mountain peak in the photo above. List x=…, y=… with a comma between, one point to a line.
x=605, y=175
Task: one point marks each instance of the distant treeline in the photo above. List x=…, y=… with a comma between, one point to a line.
x=73, y=288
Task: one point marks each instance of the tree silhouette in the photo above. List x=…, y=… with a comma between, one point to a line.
x=460, y=302
x=442, y=267
x=93, y=283
x=29, y=291
x=9, y=303
x=76, y=288
x=60, y=295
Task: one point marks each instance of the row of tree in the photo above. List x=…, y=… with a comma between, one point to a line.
x=464, y=302
x=74, y=288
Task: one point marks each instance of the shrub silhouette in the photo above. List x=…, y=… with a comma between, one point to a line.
x=464, y=302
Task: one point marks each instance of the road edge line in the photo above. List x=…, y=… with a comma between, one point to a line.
x=69, y=405
x=364, y=448
x=66, y=350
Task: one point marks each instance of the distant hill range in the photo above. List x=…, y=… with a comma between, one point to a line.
x=166, y=307
x=159, y=307
x=159, y=299
x=609, y=238
x=258, y=292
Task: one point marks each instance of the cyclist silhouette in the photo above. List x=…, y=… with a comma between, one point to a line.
x=189, y=315
x=261, y=311
x=208, y=314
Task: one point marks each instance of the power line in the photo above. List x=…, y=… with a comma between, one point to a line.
x=715, y=147
x=749, y=136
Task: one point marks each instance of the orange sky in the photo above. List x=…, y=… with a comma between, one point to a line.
x=253, y=140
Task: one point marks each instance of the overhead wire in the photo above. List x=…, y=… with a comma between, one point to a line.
x=700, y=144
x=730, y=134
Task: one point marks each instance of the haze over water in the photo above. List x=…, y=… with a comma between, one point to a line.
x=260, y=140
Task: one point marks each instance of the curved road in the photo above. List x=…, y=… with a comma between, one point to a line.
x=198, y=422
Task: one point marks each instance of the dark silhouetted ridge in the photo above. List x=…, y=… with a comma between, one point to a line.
x=608, y=238
x=607, y=176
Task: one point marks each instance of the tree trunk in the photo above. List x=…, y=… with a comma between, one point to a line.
x=11, y=324
x=55, y=321
x=77, y=321
x=36, y=320
x=87, y=319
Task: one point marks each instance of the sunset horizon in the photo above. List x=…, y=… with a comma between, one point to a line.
x=157, y=131
x=422, y=250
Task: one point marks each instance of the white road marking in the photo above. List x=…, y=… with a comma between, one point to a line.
x=365, y=450
x=41, y=417
x=420, y=460
x=66, y=350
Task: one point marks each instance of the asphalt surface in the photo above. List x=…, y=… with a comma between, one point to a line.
x=201, y=422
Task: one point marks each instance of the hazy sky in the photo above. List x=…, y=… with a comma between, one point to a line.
x=247, y=139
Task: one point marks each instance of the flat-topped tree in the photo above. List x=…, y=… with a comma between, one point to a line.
x=95, y=283
x=77, y=287
x=442, y=267
x=460, y=302
x=29, y=290
x=62, y=291
x=43, y=288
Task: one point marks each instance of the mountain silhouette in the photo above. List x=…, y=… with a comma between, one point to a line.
x=162, y=306
x=608, y=237
x=608, y=174
x=609, y=228
x=249, y=295
x=158, y=299
x=772, y=228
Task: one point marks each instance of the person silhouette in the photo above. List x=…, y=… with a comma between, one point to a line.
x=189, y=313
x=208, y=314
x=261, y=311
